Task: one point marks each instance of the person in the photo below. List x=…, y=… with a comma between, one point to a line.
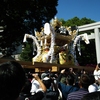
x=92, y=96
x=35, y=86
x=83, y=83
x=52, y=92
x=93, y=86
x=69, y=86
x=96, y=74
x=12, y=79
x=42, y=86
x=38, y=93
x=25, y=92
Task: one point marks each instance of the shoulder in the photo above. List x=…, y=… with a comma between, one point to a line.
x=73, y=93
x=92, y=88
x=77, y=94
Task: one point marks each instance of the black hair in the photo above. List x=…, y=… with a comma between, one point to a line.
x=27, y=87
x=85, y=81
x=70, y=79
x=92, y=78
x=12, y=79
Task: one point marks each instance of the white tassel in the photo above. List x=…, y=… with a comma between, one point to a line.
x=24, y=40
x=86, y=38
x=45, y=41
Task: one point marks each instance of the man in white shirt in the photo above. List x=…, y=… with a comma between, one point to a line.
x=97, y=72
x=97, y=75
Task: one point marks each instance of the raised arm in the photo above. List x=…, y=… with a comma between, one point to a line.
x=40, y=82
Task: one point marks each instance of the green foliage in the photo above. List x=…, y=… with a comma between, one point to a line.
x=27, y=54
x=76, y=21
x=88, y=54
x=63, y=22
x=73, y=22
x=85, y=20
x=23, y=16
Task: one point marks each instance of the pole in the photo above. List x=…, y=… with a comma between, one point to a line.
x=97, y=43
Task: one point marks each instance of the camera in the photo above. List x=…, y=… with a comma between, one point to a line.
x=29, y=75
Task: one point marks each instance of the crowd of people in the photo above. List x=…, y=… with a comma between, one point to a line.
x=16, y=84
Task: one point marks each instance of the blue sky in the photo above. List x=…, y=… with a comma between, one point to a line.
x=68, y=9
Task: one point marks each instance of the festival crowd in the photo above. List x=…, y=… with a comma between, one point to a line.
x=16, y=84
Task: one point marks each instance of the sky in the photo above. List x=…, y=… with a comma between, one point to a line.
x=68, y=9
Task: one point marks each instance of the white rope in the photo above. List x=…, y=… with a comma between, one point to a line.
x=36, y=42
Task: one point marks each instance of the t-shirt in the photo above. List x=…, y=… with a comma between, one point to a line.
x=96, y=74
x=92, y=88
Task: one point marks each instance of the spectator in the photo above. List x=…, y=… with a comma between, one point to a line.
x=97, y=75
x=12, y=79
x=25, y=92
x=63, y=80
x=41, y=84
x=35, y=86
x=83, y=83
x=93, y=86
x=52, y=92
x=69, y=86
x=39, y=93
x=43, y=75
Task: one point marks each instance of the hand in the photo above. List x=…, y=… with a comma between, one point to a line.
x=36, y=76
x=97, y=67
x=62, y=71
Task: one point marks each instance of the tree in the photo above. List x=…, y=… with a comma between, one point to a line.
x=88, y=54
x=75, y=21
x=23, y=16
x=27, y=52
